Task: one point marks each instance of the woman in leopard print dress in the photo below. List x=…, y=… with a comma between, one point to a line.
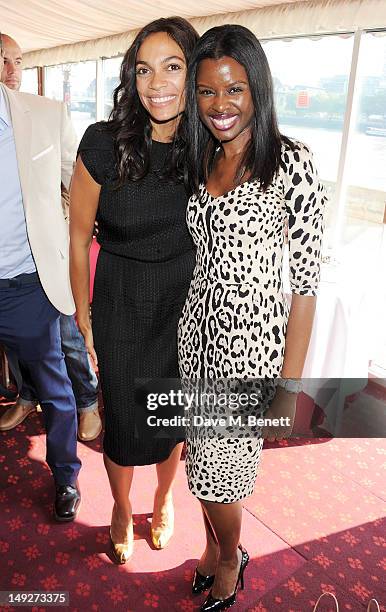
x=247, y=182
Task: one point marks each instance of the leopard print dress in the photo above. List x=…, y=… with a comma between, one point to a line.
x=233, y=324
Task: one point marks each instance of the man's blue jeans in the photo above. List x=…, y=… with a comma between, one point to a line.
x=83, y=378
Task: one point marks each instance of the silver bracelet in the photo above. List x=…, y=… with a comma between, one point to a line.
x=292, y=385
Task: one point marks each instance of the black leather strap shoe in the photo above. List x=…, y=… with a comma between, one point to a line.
x=67, y=502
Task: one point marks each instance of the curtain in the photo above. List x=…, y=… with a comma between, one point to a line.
x=278, y=21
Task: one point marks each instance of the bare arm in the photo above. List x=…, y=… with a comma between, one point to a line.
x=299, y=328
x=84, y=198
x=298, y=335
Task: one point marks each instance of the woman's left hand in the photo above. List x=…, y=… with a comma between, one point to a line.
x=283, y=406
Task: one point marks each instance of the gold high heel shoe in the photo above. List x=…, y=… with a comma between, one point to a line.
x=161, y=534
x=122, y=551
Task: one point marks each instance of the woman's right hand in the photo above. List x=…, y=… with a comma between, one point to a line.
x=86, y=332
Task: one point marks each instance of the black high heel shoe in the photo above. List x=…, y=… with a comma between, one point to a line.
x=201, y=583
x=213, y=605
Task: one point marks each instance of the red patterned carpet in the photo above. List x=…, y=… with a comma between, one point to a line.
x=315, y=522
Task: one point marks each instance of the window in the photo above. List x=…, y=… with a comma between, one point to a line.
x=363, y=236
x=111, y=70
x=75, y=84
x=29, y=82
x=310, y=80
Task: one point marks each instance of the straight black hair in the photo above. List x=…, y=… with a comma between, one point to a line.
x=129, y=120
x=263, y=152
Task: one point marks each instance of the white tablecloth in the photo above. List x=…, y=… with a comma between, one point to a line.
x=340, y=346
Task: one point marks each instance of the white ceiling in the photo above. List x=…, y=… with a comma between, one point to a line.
x=41, y=24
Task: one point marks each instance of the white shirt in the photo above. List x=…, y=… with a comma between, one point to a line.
x=15, y=252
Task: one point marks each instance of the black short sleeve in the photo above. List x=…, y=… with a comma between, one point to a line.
x=97, y=152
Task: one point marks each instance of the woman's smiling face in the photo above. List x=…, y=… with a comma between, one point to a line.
x=160, y=77
x=224, y=99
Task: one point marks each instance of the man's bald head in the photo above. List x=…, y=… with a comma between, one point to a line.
x=12, y=69
x=1, y=54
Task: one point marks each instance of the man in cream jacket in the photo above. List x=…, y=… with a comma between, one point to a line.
x=37, y=150
x=82, y=376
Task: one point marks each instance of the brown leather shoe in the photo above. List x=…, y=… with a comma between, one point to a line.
x=15, y=415
x=90, y=425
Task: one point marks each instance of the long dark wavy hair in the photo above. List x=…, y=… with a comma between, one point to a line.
x=262, y=154
x=129, y=120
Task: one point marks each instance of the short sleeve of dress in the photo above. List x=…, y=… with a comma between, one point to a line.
x=305, y=201
x=96, y=150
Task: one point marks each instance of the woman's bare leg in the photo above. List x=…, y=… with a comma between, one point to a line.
x=226, y=523
x=120, y=478
x=166, y=473
x=208, y=562
x=163, y=515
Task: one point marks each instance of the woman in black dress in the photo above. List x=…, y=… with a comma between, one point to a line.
x=145, y=262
